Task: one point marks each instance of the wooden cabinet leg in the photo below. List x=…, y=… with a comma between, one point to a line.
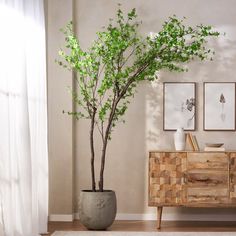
x=159, y=215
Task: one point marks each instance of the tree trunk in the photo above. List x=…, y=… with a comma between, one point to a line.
x=104, y=148
x=92, y=152
x=102, y=164
x=113, y=110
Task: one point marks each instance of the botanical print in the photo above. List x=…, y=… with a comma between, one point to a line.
x=179, y=106
x=222, y=101
x=219, y=106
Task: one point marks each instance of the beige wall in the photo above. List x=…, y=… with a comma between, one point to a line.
x=126, y=167
x=60, y=125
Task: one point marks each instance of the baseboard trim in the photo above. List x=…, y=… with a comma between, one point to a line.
x=61, y=218
x=165, y=217
x=174, y=217
x=178, y=217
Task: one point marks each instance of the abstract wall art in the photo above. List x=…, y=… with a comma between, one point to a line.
x=179, y=105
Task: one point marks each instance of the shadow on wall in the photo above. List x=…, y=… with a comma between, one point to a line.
x=221, y=69
x=222, y=66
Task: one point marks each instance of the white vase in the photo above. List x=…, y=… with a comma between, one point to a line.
x=179, y=139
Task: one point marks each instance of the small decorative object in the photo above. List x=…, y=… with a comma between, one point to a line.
x=179, y=138
x=189, y=141
x=192, y=139
x=215, y=145
x=179, y=105
x=219, y=106
x=211, y=149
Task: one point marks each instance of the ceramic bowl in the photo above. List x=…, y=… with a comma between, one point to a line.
x=214, y=144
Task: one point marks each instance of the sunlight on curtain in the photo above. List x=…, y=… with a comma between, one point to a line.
x=23, y=119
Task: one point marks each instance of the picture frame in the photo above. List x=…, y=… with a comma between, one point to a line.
x=179, y=106
x=219, y=106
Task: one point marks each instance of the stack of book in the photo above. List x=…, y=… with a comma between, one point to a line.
x=192, y=140
x=214, y=147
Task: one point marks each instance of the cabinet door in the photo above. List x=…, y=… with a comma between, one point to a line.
x=232, y=177
x=167, y=178
x=208, y=178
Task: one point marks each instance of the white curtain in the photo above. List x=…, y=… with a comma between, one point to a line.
x=23, y=119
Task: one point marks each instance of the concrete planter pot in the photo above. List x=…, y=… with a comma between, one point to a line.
x=97, y=210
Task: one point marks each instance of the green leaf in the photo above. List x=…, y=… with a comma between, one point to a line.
x=119, y=59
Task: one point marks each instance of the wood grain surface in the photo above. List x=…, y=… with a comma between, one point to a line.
x=192, y=178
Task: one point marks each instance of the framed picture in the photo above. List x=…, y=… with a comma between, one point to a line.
x=219, y=106
x=179, y=106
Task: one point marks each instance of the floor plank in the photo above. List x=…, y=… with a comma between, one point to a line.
x=148, y=226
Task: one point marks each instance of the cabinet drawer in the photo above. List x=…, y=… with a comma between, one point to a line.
x=204, y=178
x=211, y=160
x=210, y=195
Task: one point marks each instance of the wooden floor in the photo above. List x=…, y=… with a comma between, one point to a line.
x=148, y=226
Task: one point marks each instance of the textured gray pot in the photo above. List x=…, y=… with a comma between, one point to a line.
x=97, y=210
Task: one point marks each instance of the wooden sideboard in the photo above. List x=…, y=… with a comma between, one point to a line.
x=191, y=179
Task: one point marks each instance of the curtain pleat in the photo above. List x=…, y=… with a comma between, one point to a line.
x=23, y=119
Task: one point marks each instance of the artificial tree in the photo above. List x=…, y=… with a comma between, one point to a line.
x=107, y=73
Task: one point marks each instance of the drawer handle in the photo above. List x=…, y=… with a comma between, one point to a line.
x=231, y=178
x=185, y=178
x=232, y=161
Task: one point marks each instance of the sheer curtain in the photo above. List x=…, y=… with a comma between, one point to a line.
x=23, y=119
